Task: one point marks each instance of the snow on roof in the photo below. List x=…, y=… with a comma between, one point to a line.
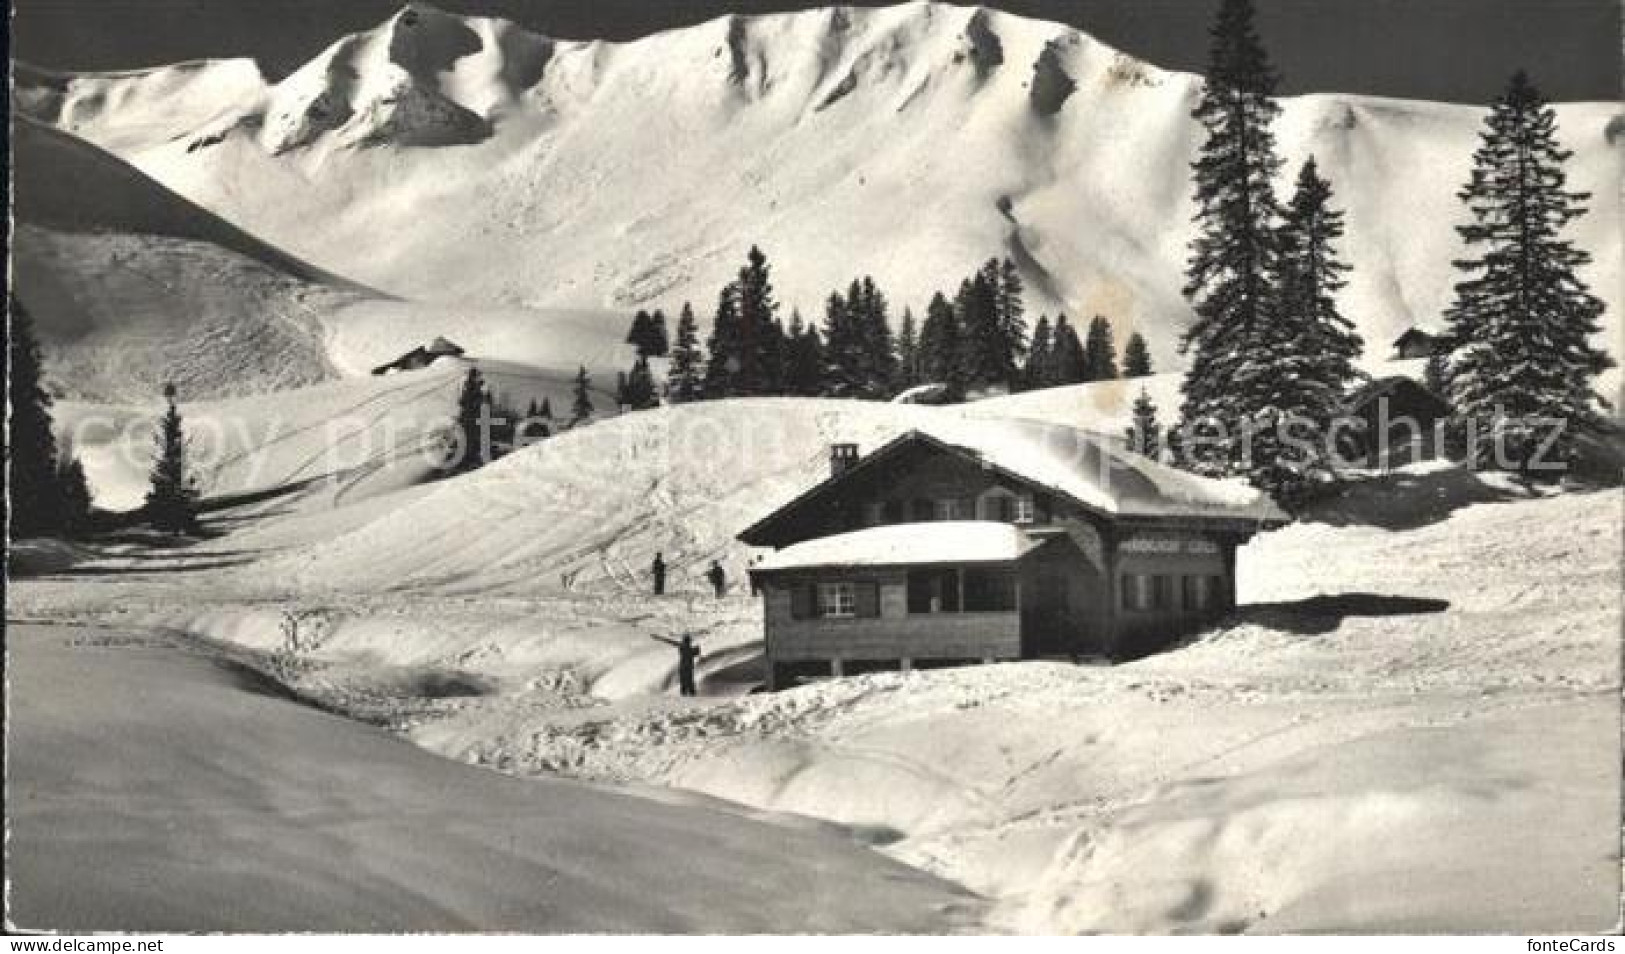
x=442, y=346
x=946, y=541
x=1092, y=470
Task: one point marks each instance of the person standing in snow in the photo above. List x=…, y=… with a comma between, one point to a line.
x=719, y=579
x=659, y=570
x=688, y=653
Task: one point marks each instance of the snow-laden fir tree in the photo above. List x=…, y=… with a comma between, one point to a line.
x=1309, y=349
x=1436, y=372
x=1099, y=351
x=638, y=386
x=684, y=380
x=803, y=358
x=983, y=355
x=760, y=334
x=581, y=409
x=48, y=492
x=1230, y=275
x=172, y=497
x=1144, y=436
x=1040, y=371
x=1522, y=364
x=1012, y=322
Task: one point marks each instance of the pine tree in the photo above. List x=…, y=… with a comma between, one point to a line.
x=877, y=350
x=908, y=352
x=1136, y=357
x=1233, y=255
x=638, y=335
x=1067, y=358
x=173, y=495
x=474, y=438
x=546, y=412
x=942, y=347
x=1520, y=326
x=581, y=409
x=1099, y=351
x=1040, y=369
x=804, y=359
x=843, y=345
x=45, y=495
x=683, y=378
x=1145, y=434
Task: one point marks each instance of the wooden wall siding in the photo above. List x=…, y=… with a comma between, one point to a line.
x=894, y=634
x=1080, y=624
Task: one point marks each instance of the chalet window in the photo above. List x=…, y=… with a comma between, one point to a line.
x=1002, y=508
x=1201, y=593
x=839, y=600
x=894, y=511
x=933, y=591
x=1137, y=592
x=874, y=513
x=989, y=591
x=923, y=510
x=1025, y=511
x=950, y=509
x=1162, y=592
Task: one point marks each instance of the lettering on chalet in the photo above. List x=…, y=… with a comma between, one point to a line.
x=974, y=541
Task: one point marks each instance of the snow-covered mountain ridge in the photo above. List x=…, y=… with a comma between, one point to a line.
x=911, y=142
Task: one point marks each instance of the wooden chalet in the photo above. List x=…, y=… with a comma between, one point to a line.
x=976, y=541
x=1398, y=422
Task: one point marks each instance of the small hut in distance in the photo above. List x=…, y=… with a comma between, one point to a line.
x=1415, y=343
x=421, y=356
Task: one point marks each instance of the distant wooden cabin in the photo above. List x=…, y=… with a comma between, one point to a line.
x=421, y=357
x=990, y=541
x=1398, y=421
x=1415, y=343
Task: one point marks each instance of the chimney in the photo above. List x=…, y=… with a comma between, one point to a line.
x=842, y=458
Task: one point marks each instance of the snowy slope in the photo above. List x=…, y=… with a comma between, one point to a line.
x=910, y=141
x=132, y=286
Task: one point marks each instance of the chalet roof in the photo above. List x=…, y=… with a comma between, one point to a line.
x=441, y=346
x=1390, y=386
x=1412, y=333
x=1088, y=468
x=914, y=544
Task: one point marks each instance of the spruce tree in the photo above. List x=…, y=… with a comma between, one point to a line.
x=908, y=352
x=1310, y=348
x=804, y=359
x=1233, y=255
x=877, y=350
x=941, y=347
x=1040, y=369
x=637, y=386
x=984, y=356
x=659, y=338
x=546, y=412
x=723, y=362
x=173, y=495
x=1136, y=357
x=759, y=332
x=638, y=335
x=46, y=496
x=1436, y=372
x=843, y=345
x=473, y=404
x=1067, y=357
x=581, y=409
x=1522, y=366
x=684, y=381
x=1099, y=351
x=1012, y=321
x=1145, y=434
